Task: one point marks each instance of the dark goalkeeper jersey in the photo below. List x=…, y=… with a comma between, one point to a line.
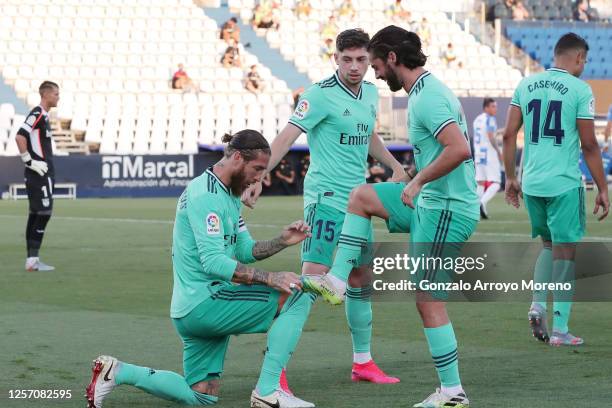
x=37, y=131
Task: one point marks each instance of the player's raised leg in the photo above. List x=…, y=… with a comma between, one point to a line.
x=382, y=200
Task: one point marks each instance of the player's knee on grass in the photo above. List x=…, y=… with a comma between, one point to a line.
x=209, y=387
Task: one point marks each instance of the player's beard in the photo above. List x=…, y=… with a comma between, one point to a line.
x=237, y=184
x=392, y=79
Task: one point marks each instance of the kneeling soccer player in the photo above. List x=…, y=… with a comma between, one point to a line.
x=211, y=244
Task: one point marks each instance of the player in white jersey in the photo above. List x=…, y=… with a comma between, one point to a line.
x=487, y=155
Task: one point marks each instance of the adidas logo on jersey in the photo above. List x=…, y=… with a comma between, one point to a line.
x=346, y=112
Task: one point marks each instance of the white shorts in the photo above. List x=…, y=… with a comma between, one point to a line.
x=488, y=167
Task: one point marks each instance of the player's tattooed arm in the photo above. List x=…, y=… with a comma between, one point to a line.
x=265, y=249
x=249, y=275
x=292, y=234
x=281, y=281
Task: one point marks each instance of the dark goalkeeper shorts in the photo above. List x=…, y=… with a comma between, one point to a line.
x=40, y=192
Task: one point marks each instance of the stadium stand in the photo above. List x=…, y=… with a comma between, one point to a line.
x=477, y=72
x=539, y=10
x=538, y=39
x=114, y=63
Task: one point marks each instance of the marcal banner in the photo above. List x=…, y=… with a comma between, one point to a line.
x=146, y=171
x=118, y=175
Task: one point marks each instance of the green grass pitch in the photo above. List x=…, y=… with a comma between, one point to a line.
x=111, y=293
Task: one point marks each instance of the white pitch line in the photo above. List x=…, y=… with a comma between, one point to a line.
x=171, y=222
x=101, y=219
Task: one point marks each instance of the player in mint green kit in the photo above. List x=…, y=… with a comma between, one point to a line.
x=338, y=115
x=556, y=109
x=216, y=295
x=447, y=209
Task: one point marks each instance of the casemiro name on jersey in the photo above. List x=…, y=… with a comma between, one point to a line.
x=554, y=85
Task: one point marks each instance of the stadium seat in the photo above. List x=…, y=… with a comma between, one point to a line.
x=158, y=140
x=141, y=139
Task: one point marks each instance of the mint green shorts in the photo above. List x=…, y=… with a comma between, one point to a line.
x=559, y=219
x=206, y=330
x=438, y=234
x=400, y=215
x=325, y=224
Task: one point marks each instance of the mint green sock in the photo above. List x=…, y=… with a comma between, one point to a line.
x=358, y=308
x=163, y=384
x=353, y=239
x=564, y=271
x=443, y=348
x=283, y=337
x=543, y=274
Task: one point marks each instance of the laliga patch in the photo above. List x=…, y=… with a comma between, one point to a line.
x=213, y=224
x=592, y=106
x=302, y=109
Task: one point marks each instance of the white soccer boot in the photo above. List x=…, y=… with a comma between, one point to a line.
x=102, y=382
x=278, y=399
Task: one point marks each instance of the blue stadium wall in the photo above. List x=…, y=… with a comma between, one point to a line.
x=118, y=176
x=538, y=39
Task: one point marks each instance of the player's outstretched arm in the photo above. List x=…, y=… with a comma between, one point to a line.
x=282, y=143
x=379, y=151
x=280, y=146
x=514, y=121
x=592, y=157
x=456, y=151
x=292, y=234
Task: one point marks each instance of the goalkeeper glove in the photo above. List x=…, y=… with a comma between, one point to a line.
x=36, y=165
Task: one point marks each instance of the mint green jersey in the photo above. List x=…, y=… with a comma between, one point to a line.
x=431, y=107
x=339, y=125
x=208, y=240
x=551, y=102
